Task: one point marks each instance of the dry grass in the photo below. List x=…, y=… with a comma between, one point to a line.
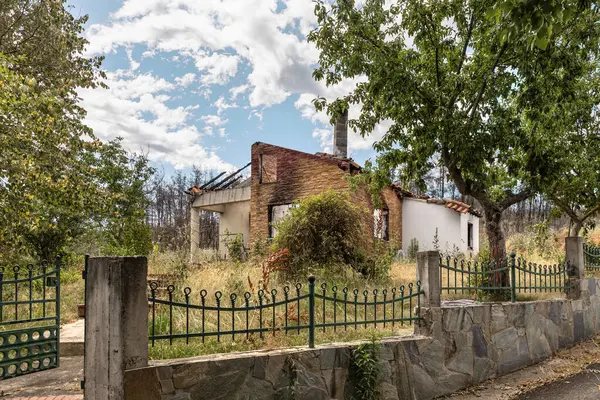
x=238, y=278
x=71, y=295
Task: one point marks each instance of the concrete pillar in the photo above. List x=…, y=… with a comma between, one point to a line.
x=428, y=272
x=575, y=257
x=194, y=233
x=116, y=324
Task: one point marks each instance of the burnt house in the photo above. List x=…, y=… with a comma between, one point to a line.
x=279, y=177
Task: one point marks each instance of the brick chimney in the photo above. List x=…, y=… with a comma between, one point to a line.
x=340, y=136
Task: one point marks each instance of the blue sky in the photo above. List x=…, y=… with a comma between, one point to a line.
x=197, y=82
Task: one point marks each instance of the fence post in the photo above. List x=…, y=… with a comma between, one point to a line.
x=513, y=282
x=116, y=324
x=575, y=260
x=311, y=311
x=428, y=272
x=58, y=264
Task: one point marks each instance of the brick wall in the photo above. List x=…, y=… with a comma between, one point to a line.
x=300, y=175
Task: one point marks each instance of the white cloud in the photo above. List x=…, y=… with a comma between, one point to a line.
x=133, y=64
x=218, y=34
x=221, y=105
x=217, y=68
x=213, y=120
x=257, y=40
x=136, y=109
x=134, y=88
x=237, y=90
x=185, y=80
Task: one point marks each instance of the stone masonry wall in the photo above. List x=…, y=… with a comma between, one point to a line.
x=293, y=175
x=454, y=348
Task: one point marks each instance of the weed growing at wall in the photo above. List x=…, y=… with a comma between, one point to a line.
x=367, y=372
x=235, y=246
x=436, y=240
x=413, y=249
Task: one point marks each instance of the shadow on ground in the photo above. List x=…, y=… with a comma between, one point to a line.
x=64, y=380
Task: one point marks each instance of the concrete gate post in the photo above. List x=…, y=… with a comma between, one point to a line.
x=575, y=258
x=116, y=323
x=428, y=272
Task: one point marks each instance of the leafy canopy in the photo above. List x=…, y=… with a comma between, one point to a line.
x=55, y=177
x=452, y=86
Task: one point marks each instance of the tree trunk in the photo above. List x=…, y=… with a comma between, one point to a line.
x=497, y=242
x=577, y=226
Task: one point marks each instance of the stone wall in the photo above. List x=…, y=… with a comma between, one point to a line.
x=455, y=347
x=290, y=175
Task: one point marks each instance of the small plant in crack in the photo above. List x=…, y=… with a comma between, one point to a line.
x=367, y=371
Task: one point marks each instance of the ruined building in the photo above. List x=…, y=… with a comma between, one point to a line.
x=279, y=177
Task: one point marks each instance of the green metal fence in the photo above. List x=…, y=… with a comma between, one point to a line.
x=300, y=308
x=591, y=255
x=29, y=318
x=511, y=275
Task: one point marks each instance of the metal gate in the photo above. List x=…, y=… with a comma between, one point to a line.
x=29, y=318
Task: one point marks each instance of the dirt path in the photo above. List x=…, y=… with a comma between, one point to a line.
x=565, y=372
x=582, y=386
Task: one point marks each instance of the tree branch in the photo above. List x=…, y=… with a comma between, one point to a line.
x=566, y=208
x=591, y=212
x=514, y=198
x=473, y=107
x=461, y=184
x=462, y=60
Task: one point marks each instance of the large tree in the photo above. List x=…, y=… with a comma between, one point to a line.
x=574, y=184
x=48, y=188
x=456, y=85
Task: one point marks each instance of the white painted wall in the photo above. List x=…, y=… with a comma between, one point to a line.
x=420, y=220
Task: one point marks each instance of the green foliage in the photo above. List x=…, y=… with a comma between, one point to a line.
x=537, y=240
x=367, y=371
x=323, y=231
x=573, y=187
x=260, y=248
x=535, y=21
x=485, y=253
x=58, y=181
x=375, y=266
x=235, y=246
x=46, y=187
x=413, y=249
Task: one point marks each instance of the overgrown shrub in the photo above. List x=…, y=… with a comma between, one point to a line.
x=324, y=230
x=374, y=266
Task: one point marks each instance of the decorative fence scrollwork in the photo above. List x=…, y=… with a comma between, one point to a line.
x=293, y=310
x=511, y=274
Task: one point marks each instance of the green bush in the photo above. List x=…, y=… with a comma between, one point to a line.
x=323, y=231
x=235, y=247
x=374, y=266
x=134, y=240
